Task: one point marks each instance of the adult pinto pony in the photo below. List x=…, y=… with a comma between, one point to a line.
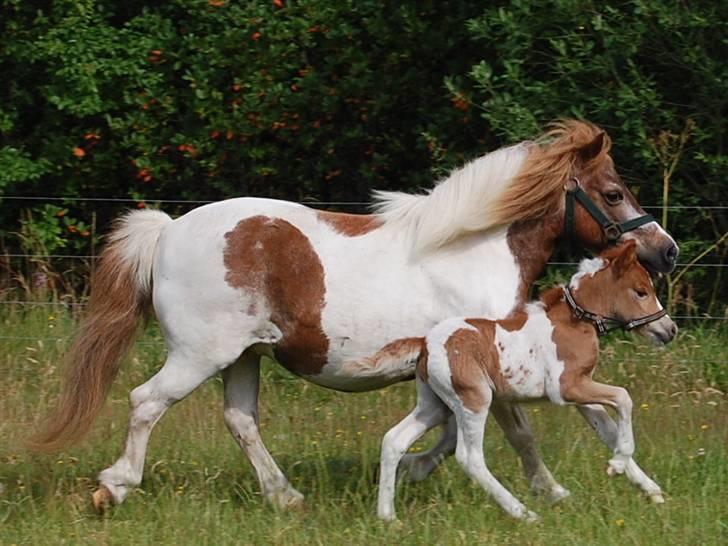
x=341, y=300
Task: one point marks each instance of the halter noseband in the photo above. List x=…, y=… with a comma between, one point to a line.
x=604, y=324
x=612, y=230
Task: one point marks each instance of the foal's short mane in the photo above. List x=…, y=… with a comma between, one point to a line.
x=504, y=186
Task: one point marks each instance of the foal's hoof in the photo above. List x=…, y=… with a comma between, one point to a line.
x=530, y=517
x=102, y=499
x=616, y=466
x=657, y=498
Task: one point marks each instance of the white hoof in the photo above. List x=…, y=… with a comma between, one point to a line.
x=288, y=499
x=657, y=498
x=557, y=494
x=616, y=466
x=531, y=517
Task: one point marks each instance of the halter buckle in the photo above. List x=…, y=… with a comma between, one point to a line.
x=572, y=184
x=613, y=232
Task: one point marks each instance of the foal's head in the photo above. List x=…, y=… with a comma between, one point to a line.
x=616, y=285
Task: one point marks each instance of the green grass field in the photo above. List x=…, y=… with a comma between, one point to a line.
x=198, y=487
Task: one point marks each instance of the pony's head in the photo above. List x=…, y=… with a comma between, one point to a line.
x=615, y=286
x=573, y=156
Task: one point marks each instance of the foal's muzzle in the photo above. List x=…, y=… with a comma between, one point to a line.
x=660, y=332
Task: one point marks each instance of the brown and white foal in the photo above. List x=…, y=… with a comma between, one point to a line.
x=548, y=349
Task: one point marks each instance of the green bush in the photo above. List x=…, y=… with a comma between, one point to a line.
x=320, y=100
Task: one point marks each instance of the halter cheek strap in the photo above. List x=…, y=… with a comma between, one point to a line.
x=612, y=230
x=605, y=324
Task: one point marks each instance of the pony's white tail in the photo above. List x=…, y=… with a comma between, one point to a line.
x=120, y=294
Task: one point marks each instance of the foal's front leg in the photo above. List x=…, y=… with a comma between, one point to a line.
x=606, y=429
x=512, y=419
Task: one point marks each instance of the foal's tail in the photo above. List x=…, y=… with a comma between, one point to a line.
x=121, y=288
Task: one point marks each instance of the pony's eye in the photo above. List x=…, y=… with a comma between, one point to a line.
x=613, y=197
x=641, y=294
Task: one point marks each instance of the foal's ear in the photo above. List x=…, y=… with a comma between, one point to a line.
x=624, y=256
x=591, y=149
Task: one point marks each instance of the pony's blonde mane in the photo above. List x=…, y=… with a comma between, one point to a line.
x=504, y=186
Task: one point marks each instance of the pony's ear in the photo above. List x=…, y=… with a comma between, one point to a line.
x=624, y=256
x=591, y=149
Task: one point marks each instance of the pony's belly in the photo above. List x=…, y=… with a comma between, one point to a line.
x=393, y=362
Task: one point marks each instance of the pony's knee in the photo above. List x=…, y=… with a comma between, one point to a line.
x=240, y=423
x=145, y=408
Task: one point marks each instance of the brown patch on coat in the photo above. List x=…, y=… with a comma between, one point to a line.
x=473, y=360
x=394, y=362
x=421, y=368
x=350, y=225
x=272, y=258
x=577, y=344
x=532, y=242
x=514, y=321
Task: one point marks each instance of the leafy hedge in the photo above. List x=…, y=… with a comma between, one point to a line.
x=207, y=99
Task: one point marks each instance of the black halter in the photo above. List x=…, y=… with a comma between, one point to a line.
x=612, y=230
x=603, y=324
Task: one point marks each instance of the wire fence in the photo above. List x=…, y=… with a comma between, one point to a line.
x=28, y=256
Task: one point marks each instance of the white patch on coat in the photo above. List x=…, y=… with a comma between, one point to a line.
x=588, y=267
x=528, y=358
x=374, y=292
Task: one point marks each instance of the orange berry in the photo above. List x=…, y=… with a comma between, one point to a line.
x=79, y=152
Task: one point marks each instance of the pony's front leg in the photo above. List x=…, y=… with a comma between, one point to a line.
x=242, y=381
x=606, y=429
x=514, y=423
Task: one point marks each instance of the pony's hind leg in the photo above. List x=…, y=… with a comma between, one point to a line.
x=606, y=429
x=179, y=376
x=241, y=416
x=514, y=423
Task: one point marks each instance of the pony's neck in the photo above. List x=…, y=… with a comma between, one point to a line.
x=532, y=243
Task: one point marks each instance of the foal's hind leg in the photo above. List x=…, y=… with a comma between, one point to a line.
x=429, y=412
x=606, y=429
x=514, y=423
x=241, y=416
x=179, y=376
x=469, y=453
x=420, y=465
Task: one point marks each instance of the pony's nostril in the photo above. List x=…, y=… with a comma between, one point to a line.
x=671, y=253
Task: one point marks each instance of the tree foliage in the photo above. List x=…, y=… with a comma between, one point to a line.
x=320, y=100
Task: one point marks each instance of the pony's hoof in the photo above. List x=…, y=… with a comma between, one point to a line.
x=558, y=494
x=657, y=498
x=289, y=499
x=530, y=517
x=102, y=499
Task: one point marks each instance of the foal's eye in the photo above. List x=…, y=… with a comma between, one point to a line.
x=613, y=197
x=641, y=294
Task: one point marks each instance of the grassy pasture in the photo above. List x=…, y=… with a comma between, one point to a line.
x=199, y=489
